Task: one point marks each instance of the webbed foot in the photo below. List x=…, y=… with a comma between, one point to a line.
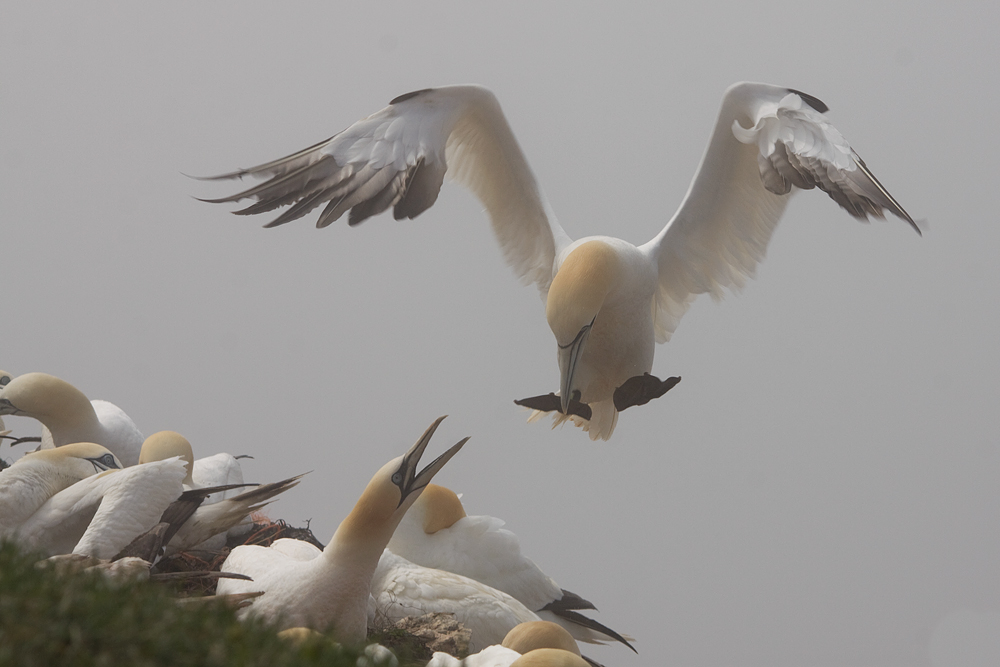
x=551, y=403
x=641, y=389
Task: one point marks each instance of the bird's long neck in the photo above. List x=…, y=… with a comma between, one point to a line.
x=73, y=418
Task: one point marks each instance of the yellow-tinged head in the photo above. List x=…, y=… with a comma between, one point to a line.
x=438, y=507
x=576, y=296
x=166, y=444
x=390, y=493
x=525, y=637
x=579, y=289
x=73, y=462
x=43, y=397
x=549, y=657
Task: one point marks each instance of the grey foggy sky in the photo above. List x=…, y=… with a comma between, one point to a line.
x=821, y=489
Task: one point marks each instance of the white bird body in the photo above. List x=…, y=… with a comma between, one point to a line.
x=68, y=416
x=523, y=638
x=401, y=588
x=34, y=478
x=331, y=590
x=437, y=533
x=767, y=140
x=217, y=470
x=100, y=515
x=496, y=655
x=206, y=527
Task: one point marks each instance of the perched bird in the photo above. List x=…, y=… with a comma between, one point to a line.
x=67, y=415
x=206, y=527
x=606, y=301
x=331, y=591
x=400, y=588
x=101, y=514
x=521, y=639
x=437, y=533
x=38, y=476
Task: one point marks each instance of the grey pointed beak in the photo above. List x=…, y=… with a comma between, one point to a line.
x=569, y=357
x=412, y=480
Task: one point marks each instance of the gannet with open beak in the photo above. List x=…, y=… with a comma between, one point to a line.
x=606, y=301
x=331, y=591
x=38, y=476
x=206, y=528
x=67, y=415
x=523, y=638
x=437, y=533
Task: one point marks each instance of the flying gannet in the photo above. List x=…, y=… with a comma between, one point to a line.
x=521, y=639
x=606, y=301
x=38, y=476
x=67, y=415
x=331, y=591
x=206, y=528
x=437, y=533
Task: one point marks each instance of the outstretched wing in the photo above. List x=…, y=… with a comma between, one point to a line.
x=398, y=158
x=767, y=140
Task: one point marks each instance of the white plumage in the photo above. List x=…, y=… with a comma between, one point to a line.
x=330, y=591
x=100, y=515
x=36, y=477
x=614, y=300
x=67, y=415
x=437, y=533
x=523, y=638
x=206, y=528
x=401, y=588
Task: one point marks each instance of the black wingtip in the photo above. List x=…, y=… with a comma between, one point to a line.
x=814, y=102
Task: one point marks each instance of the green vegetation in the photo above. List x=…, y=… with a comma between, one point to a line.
x=85, y=619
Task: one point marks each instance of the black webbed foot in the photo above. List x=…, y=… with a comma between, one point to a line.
x=641, y=389
x=551, y=403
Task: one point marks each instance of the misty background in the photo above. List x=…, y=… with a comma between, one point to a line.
x=820, y=489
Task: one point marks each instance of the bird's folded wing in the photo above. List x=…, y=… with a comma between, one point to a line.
x=398, y=158
x=767, y=140
x=133, y=500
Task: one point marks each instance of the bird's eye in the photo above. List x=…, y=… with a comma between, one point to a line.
x=397, y=478
x=109, y=461
x=4, y=380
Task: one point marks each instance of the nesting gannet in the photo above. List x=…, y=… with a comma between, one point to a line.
x=550, y=657
x=523, y=638
x=216, y=470
x=67, y=415
x=437, y=533
x=331, y=591
x=36, y=477
x=607, y=301
x=100, y=515
x=206, y=527
x=400, y=588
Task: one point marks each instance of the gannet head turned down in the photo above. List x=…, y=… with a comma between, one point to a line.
x=531, y=635
x=437, y=508
x=575, y=299
x=165, y=444
x=45, y=398
x=391, y=492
